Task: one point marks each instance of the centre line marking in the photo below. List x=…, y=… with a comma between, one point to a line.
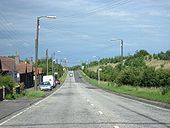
x=92, y=104
x=100, y=112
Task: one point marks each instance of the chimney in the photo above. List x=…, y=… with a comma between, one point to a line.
x=17, y=59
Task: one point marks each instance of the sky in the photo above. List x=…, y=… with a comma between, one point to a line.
x=84, y=28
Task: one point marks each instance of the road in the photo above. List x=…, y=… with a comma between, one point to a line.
x=79, y=105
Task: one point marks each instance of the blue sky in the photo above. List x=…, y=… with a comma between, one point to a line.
x=84, y=28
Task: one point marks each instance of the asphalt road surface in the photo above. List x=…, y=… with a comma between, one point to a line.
x=79, y=105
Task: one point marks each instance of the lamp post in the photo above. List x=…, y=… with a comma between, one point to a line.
x=56, y=61
x=36, y=46
x=98, y=69
x=55, y=56
x=121, y=45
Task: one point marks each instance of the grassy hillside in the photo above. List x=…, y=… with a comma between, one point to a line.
x=165, y=64
x=94, y=68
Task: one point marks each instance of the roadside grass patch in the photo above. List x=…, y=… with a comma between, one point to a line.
x=35, y=94
x=153, y=94
x=62, y=79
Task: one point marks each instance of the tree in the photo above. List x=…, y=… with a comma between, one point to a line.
x=141, y=53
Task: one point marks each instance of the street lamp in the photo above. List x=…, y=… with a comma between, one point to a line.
x=56, y=61
x=98, y=69
x=121, y=45
x=56, y=53
x=36, y=46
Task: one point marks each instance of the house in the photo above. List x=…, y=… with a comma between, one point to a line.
x=7, y=66
x=21, y=71
x=25, y=73
x=39, y=74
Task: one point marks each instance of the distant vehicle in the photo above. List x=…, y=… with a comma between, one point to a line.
x=51, y=79
x=57, y=82
x=45, y=86
x=71, y=74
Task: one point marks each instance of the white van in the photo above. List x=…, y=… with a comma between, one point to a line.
x=49, y=78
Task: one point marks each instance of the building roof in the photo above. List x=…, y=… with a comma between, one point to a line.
x=7, y=64
x=24, y=67
x=40, y=70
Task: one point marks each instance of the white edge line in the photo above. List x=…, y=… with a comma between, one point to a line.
x=100, y=112
x=151, y=105
x=29, y=107
x=116, y=126
x=143, y=103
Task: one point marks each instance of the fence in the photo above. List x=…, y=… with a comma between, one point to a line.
x=4, y=91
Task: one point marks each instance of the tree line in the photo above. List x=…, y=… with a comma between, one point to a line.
x=56, y=67
x=132, y=70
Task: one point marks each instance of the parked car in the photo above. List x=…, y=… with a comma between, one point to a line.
x=45, y=86
x=51, y=79
x=57, y=82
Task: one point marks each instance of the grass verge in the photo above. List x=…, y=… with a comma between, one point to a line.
x=62, y=79
x=32, y=94
x=153, y=94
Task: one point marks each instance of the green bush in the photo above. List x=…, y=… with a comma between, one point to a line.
x=129, y=76
x=8, y=82
x=163, y=77
x=135, y=62
x=149, y=77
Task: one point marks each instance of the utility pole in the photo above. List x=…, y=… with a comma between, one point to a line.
x=47, y=60
x=36, y=52
x=36, y=46
x=121, y=45
x=52, y=63
x=98, y=68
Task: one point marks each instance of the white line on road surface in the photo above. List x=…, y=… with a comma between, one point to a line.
x=11, y=118
x=116, y=126
x=92, y=105
x=29, y=107
x=143, y=103
x=88, y=100
x=100, y=112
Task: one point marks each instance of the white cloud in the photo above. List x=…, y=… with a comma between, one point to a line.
x=159, y=13
x=115, y=14
x=26, y=44
x=75, y=34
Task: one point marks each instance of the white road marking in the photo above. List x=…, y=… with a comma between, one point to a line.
x=100, y=112
x=11, y=118
x=116, y=126
x=88, y=100
x=143, y=103
x=92, y=105
x=37, y=103
x=29, y=107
